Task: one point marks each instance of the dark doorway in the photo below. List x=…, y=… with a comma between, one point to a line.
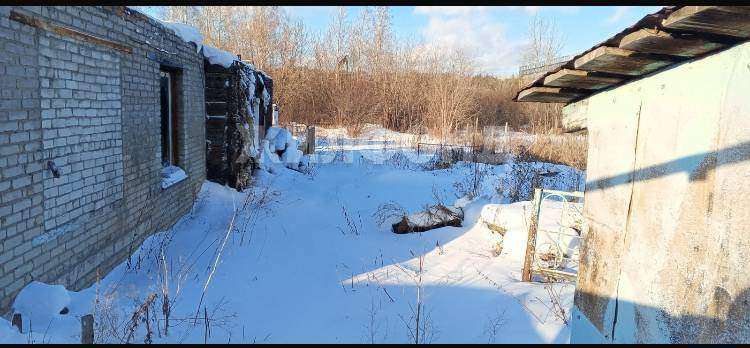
x=168, y=119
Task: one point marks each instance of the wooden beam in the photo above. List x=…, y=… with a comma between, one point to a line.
x=574, y=116
x=548, y=95
x=528, y=260
x=568, y=78
x=615, y=60
x=722, y=20
x=661, y=42
x=65, y=31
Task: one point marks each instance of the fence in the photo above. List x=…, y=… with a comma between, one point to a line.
x=305, y=133
x=554, y=253
x=542, y=68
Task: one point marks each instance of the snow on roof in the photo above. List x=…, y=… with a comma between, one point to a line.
x=219, y=56
x=190, y=33
x=186, y=32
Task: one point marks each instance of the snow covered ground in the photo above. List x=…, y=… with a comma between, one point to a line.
x=305, y=260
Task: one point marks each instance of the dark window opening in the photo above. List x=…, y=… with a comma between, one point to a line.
x=169, y=121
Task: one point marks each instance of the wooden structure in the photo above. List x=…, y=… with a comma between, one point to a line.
x=660, y=40
x=232, y=93
x=531, y=264
x=310, y=141
x=665, y=229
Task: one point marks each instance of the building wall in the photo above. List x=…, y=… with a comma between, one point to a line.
x=95, y=112
x=667, y=246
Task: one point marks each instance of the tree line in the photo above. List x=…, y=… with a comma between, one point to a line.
x=357, y=71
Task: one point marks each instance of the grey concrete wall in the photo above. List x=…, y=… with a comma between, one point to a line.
x=95, y=112
x=667, y=244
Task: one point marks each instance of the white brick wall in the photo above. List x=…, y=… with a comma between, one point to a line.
x=95, y=112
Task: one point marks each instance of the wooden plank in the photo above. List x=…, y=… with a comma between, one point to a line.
x=722, y=20
x=555, y=273
x=568, y=78
x=87, y=329
x=615, y=60
x=661, y=42
x=574, y=116
x=536, y=206
x=216, y=108
x=65, y=31
x=548, y=95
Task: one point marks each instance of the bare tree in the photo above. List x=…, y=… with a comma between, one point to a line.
x=358, y=71
x=545, y=42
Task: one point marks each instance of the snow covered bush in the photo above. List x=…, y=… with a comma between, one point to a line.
x=280, y=148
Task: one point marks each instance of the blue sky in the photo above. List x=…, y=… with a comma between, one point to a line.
x=493, y=34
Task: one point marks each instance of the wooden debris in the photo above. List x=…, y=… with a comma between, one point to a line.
x=87, y=329
x=549, y=95
x=568, y=78
x=722, y=20
x=310, y=141
x=660, y=42
x=434, y=217
x=620, y=61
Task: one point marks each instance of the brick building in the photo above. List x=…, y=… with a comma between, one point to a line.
x=95, y=102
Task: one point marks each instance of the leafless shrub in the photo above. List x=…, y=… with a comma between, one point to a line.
x=419, y=326
x=470, y=185
x=503, y=290
x=373, y=325
x=354, y=225
x=339, y=150
x=388, y=212
x=493, y=325
x=555, y=306
x=141, y=315
x=256, y=204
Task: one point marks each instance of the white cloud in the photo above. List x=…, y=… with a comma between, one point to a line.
x=620, y=12
x=448, y=10
x=531, y=9
x=474, y=31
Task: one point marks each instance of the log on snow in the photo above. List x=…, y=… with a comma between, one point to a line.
x=434, y=217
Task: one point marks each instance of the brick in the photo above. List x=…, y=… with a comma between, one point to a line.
x=99, y=114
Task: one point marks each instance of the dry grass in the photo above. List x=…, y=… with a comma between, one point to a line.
x=569, y=151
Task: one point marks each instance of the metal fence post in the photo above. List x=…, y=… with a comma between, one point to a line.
x=531, y=241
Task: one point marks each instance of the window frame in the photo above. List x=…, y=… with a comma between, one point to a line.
x=173, y=121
